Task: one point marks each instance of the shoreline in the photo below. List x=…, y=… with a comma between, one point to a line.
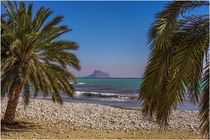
x=99, y=118
x=185, y=106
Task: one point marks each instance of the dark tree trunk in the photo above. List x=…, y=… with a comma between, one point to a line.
x=12, y=103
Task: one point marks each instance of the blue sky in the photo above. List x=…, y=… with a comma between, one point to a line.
x=112, y=35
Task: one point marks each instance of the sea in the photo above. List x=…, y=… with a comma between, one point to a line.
x=115, y=92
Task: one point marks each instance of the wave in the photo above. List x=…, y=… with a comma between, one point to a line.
x=106, y=95
x=80, y=83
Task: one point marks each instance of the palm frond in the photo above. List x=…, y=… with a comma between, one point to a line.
x=52, y=23
x=30, y=9
x=163, y=29
x=204, y=112
x=178, y=46
x=40, y=17
x=34, y=55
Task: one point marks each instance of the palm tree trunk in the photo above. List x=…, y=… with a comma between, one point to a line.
x=12, y=103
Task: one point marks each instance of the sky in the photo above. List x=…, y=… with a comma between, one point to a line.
x=112, y=35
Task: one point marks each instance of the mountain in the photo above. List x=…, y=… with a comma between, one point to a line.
x=99, y=74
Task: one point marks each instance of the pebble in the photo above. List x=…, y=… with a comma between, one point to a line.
x=100, y=117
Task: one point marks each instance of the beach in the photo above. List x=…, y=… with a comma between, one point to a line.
x=45, y=119
x=108, y=63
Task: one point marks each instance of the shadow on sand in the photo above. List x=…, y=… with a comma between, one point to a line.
x=18, y=126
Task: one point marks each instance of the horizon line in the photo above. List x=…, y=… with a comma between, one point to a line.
x=105, y=77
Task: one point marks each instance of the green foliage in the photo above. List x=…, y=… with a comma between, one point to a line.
x=204, y=113
x=33, y=52
x=175, y=67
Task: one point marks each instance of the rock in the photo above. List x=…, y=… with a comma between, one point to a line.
x=99, y=74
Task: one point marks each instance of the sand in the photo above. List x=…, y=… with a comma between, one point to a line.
x=44, y=119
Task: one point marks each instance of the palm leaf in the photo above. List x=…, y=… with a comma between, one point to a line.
x=33, y=53
x=178, y=47
x=204, y=112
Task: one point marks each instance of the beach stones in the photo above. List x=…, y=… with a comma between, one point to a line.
x=83, y=115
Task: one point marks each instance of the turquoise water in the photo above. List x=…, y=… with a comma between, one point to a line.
x=117, y=92
x=112, y=82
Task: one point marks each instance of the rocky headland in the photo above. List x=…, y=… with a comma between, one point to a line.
x=99, y=74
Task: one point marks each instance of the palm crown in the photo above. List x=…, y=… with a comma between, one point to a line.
x=179, y=48
x=33, y=55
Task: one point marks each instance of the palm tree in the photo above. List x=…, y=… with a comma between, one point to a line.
x=178, y=63
x=33, y=56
